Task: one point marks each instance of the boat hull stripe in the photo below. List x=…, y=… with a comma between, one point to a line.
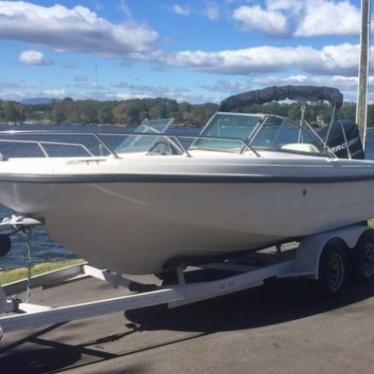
x=167, y=178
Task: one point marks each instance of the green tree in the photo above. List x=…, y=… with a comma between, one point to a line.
x=14, y=112
x=119, y=113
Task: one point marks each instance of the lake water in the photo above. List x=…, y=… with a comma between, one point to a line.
x=44, y=248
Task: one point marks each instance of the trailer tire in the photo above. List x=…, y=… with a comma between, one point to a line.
x=168, y=277
x=332, y=269
x=363, y=258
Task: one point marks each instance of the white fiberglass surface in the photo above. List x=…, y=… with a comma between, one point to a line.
x=201, y=163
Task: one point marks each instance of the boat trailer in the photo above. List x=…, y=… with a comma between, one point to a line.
x=324, y=257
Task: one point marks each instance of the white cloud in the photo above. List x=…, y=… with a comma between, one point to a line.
x=75, y=29
x=302, y=18
x=339, y=81
x=130, y=90
x=127, y=96
x=55, y=93
x=180, y=10
x=226, y=87
x=254, y=17
x=329, y=18
x=125, y=9
x=87, y=86
x=295, y=5
x=294, y=79
x=150, y=91
x=17, y=85
x=212, y=11
x=339, y=59
x=20, y=92
x=33, y=57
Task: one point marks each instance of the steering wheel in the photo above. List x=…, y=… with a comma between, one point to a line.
x=163, y=147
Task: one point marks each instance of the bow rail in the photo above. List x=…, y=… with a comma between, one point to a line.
x=97, y=140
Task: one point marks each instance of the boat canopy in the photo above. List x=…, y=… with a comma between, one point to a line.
x=269, y=94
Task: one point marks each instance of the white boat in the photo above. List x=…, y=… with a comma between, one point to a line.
x=248, y=181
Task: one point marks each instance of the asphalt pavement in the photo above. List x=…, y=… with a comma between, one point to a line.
x=282, y=327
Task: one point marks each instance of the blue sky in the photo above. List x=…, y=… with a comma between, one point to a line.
x=186, y=50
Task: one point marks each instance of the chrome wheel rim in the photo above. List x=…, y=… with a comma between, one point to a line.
x=335, y=272
x=368, y=260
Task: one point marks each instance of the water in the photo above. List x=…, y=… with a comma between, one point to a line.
x=44, y=248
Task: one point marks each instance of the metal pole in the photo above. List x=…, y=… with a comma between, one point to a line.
x=361, y=111
x=96, y=86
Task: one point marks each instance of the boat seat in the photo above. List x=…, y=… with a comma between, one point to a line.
x=301, y=147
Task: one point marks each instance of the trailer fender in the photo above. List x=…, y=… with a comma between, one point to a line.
x=310, y=249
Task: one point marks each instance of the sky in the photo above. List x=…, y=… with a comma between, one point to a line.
x=194, y=50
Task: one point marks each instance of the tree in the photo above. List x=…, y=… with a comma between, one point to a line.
x=88, y=111
x=105, y=114
x=134, y=111
x=119, y=113
x=14, y=112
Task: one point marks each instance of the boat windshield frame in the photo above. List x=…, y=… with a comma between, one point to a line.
x=323, y=150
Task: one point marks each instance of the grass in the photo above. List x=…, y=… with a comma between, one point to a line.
x=9, y=276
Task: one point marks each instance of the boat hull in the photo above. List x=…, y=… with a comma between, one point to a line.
x=141, y=228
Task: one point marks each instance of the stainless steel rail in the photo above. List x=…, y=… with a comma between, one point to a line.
x=175, y=140
x=41, y=144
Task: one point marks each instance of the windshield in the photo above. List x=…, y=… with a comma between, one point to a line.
x=268, y=133
x=138, y=143
x=225, y=125
x=228, y=132
x=282, y=134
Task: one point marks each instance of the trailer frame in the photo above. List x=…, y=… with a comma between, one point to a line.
x=304, y=261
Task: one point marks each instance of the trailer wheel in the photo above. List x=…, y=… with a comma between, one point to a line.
x=167, y=277
x=332, y=269
x=363, y=258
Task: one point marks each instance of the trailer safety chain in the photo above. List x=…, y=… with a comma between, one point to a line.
x=23, y=225
x=27, y=235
